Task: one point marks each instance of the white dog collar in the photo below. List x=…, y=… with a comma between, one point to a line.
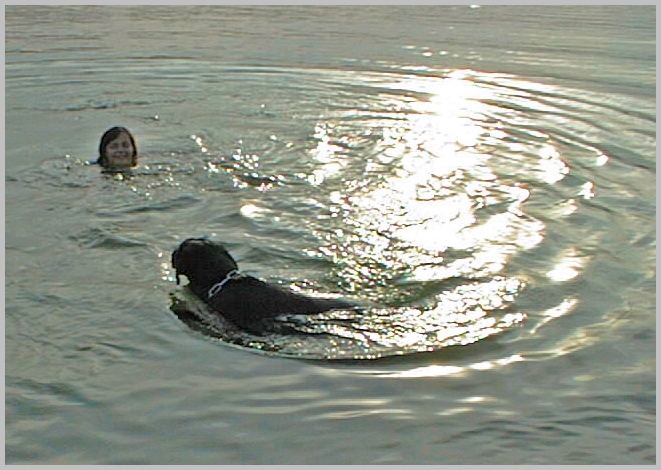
x=233, y=274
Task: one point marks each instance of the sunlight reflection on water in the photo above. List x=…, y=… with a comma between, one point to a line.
x=436, y=192
x=433, y=216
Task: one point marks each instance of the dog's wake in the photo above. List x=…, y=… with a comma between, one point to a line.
x=365, y=334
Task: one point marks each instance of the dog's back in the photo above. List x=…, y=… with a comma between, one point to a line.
x=247, y=300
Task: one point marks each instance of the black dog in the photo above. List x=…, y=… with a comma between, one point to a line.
x=244, y=300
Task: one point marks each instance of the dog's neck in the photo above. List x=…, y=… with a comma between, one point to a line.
x=218, y=286
x=203, y=285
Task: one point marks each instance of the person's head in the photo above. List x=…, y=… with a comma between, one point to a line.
x=117, y=149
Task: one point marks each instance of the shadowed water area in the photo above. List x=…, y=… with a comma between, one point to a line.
x=481, y=180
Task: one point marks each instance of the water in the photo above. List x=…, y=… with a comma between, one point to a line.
x=482, y=178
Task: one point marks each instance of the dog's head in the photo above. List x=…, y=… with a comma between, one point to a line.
x=202, y=261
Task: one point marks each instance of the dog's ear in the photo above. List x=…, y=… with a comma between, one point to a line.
x=173, y=260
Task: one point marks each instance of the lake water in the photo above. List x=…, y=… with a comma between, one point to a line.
x=482, y=178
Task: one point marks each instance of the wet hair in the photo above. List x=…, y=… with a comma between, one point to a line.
x=110, y=135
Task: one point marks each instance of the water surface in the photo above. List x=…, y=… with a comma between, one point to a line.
x=482, y=178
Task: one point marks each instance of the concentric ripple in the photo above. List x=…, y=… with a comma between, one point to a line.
x=444, y=201
x=428, y=196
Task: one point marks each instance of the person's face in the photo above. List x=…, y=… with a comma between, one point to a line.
x=119, y=152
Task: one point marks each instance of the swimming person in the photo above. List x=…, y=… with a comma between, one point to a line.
x=117, y=149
